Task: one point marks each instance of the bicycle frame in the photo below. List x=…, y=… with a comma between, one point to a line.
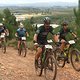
x=3, y=42
x=22, y=44
x=46, y=51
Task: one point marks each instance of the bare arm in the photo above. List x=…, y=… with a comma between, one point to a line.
x=56, y=38
x=27, y=34
x=74, y=34
x=16, y=34
x=7, y=32
x=35, y=37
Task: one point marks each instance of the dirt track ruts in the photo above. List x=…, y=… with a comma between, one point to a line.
x=14, y=67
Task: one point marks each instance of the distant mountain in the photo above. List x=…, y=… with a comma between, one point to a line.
x=43, y=4
x=51, y=4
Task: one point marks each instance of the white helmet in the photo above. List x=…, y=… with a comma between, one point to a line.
x=21, y=25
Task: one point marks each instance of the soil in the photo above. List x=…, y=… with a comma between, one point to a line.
x=15, y=67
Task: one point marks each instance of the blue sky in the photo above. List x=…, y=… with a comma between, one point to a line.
x=33, y=1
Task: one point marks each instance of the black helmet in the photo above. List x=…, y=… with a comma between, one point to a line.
x=65, y=23
x=47, y=20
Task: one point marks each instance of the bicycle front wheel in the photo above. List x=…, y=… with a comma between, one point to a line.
x=39, y=67
x=24, y=52
x=50, y=68
x=75, y=59
x=3, y=47
x=60, y=60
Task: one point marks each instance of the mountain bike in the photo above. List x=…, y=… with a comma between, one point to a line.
x=71, y=53
x=3, y=42
x=47, y=63
x=22, y=49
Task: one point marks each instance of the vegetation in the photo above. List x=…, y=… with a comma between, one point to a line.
x=77, y=20
x=9, y=21
x=57, y=15
x=77, y=15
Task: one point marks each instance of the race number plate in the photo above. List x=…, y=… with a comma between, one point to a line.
x=49, y=41
x=23, y=38
x=71, y=42
x=48, y=46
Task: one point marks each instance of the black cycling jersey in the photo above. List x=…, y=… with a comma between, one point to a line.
x=63, y=33
x=42, y=34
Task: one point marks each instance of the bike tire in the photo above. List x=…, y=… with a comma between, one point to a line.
x=39, y=67
x=3, y=47
x=75, y=59
x=60, y=61
x=50, y=68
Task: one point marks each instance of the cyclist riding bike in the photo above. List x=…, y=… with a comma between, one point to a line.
x=21, y=32
x=3, y=30
x=40, y=37
x=62, y=36
x=3, y=34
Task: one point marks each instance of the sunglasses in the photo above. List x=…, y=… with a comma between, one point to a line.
x=64, y=24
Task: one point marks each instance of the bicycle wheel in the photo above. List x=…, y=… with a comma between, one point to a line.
x=75, y=59
x=60, y=60
x=39, y=67
x=24, y=52
x=50, y=68
x=3, y=47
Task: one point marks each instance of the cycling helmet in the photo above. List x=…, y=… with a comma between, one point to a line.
x=65, y=23
x=47, y=20
x=21, y=25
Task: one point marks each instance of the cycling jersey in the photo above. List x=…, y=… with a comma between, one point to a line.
x=21, y=32
x=63, y=33
x=42, y=34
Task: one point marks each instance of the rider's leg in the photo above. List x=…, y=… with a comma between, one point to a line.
x=24, y=44
x=38, y=53
x=67, y=54
x=62, y=46
x=18, y=44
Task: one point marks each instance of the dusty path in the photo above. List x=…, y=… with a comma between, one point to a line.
x=14, y=67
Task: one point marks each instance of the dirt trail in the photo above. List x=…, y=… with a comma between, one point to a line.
x=14, y=67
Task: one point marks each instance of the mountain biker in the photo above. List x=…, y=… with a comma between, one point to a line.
x=3, y=33
x=62, y=35
x=4, y=30
x=40, y=37
x=21, y=32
